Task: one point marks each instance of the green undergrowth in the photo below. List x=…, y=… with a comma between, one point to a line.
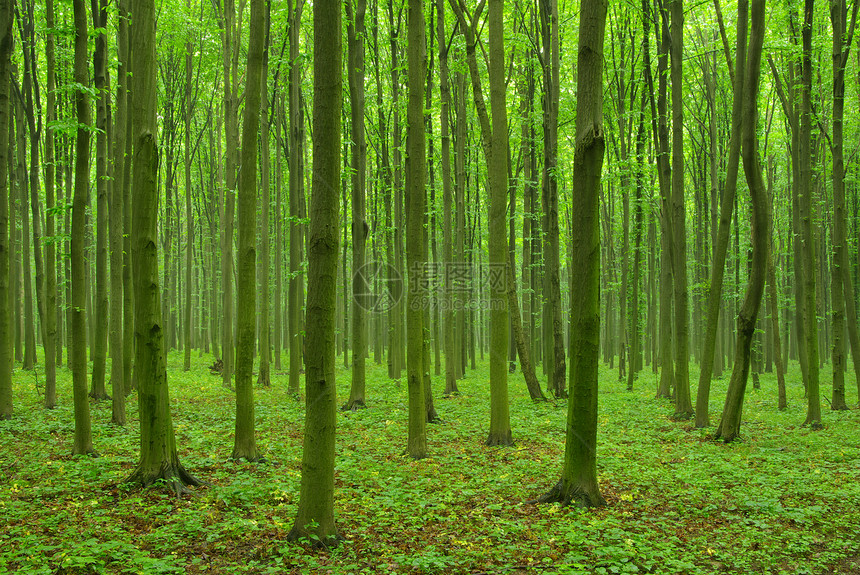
x=783, y=499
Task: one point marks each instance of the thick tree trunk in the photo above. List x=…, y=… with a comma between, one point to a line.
x=99, y=351
x=316, y=499
x=53, y=346
x=578, y=483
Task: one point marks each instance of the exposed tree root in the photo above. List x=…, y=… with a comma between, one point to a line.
x=500, y=439
x=316, y=541
x=353, y=405
x=174, y=476
x=576, y=495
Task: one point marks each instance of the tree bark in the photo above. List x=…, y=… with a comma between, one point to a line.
x=729, y=427
x=578, y=483
x=7, y=331
x=360, y=287
x=83, y=443
x=316, y=499
x=245, y=444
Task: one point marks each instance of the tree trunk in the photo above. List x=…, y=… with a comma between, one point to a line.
x=415, y=200
x=189, y=224
x=117, y=374
x=578, y=483
x=729, y=427
x=813, y=414
x=83, y=443
x=296, y=142
x=245, y=445
x=549, y=26
x=360, y=287
x=6, y=313
x=316, y=499
x=264, y=378
x=718, y=264
x=53, y=346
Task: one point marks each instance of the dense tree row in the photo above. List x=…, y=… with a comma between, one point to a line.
x=275, y=183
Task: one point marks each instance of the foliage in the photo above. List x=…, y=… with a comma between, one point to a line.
x=784, y=499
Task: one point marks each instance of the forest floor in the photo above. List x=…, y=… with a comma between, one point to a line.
x=783, y=499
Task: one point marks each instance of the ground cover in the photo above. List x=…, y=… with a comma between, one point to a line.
x=784, y=499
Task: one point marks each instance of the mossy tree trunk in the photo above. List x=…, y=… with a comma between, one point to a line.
x=578, y=483
x=158, y=457
x=53, y=347
x=245, y=445
x=316, y=499
x=415, y=203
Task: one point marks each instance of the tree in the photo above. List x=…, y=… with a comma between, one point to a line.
x=495, y=144
x=102, y=87
x=316, y=498
x=683, y=406
x=415, y=201
x=83, y=436
x=360, y=288
x=296, y=138
x=721, y=244
x=730, y=424
x=117, y=377
x=813, y=413
x=6, y=328
x=158, y=457
x=578, y=483
x=245, y=445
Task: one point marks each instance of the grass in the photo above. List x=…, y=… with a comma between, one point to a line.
x=783, y=499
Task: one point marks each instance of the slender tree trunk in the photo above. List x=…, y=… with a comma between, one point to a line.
x=360, y=287
x=6, y=313
x=296, y=141
x=117, y=375
x=53, y=346
x=721, y=243
x=316, y=499
x=683, y=406
x=99, y=351
x=245, y=444
x=263, y=265
x=415, y=200
x=841, y=285
x=549, y=25
x=189, y=224
x=813, y=414
x=83, y=443
x=729, y=427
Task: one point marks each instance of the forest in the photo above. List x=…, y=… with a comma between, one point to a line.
x=429, y=286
